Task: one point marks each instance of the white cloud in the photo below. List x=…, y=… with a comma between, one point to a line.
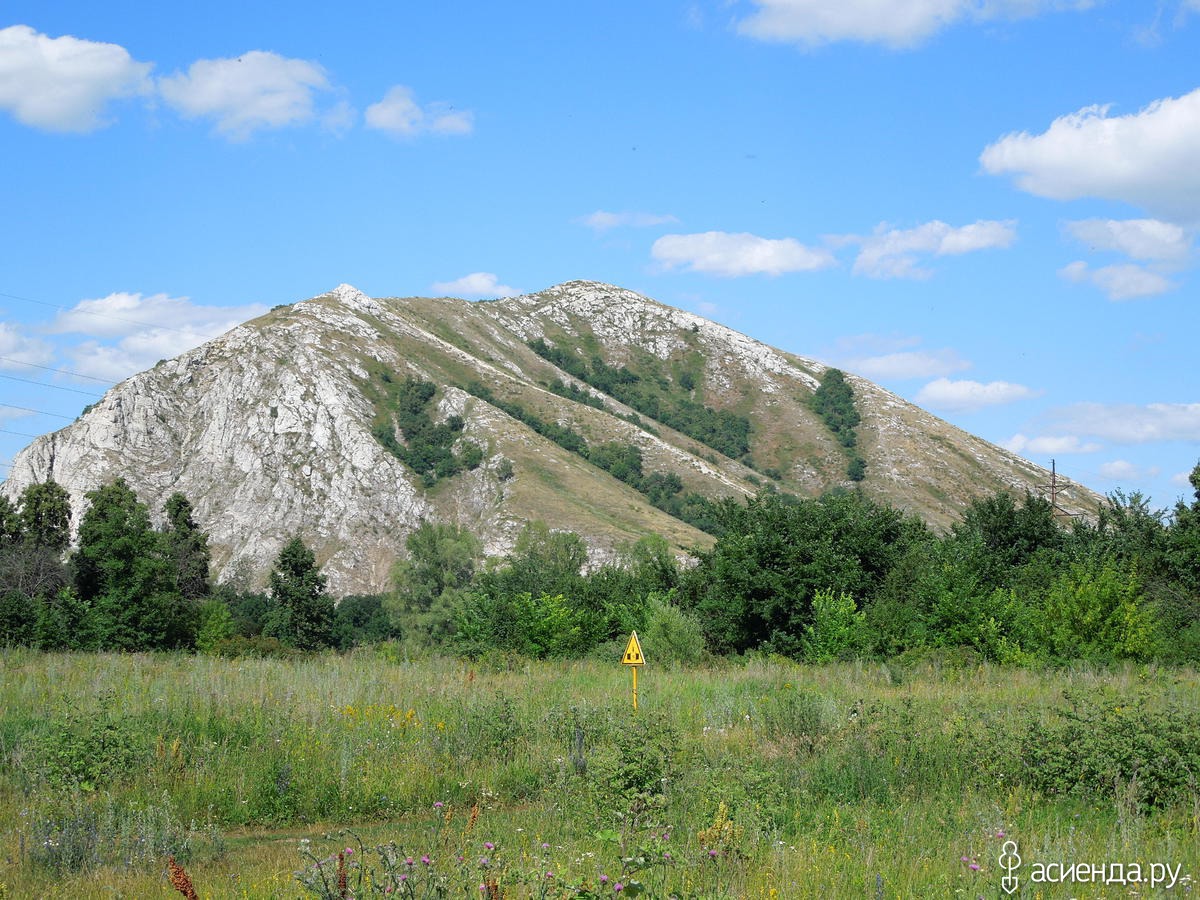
x=1123, y=470
x=1127, y=423
x=894, y=252
x=399, y=115
x=477, y=284
x=65, y=83
x=1183, y=479
x=149, y=329
x=1050, y=444
x=126, y=314
x=1147, y=158
x=1138, y=238
x=909, y=364
x=733, y=255
x=601, y=221
x=7, y=414
x=258, y=89
x=17, y=348
x=969, y=396
x=814, y=22
x=1122, y=282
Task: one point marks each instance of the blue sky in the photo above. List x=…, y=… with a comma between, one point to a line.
x=988, y=206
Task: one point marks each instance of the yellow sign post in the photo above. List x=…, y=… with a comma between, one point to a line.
x=634, y=659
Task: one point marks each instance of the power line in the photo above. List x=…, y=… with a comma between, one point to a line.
x=40, y=412
x=57, y=387
x=88, y=312
x=20, y=362
x=18, y=433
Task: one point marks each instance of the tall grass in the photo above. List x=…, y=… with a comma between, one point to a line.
x=841, y=780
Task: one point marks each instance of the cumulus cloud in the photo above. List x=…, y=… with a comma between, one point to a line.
x=1050, y=444
x=19, y=351
x=1127, y=423
x=123, y=313
x=1138, y=238
x=909, y=364
x=147, y=329
x=1123, y=470
x=895, y=252
x=399, y=115
x=969, y=396
x=1183, y=479
x=601, y=220
x=64, y=84
x=243, y=94
x=477, y=284
x=1121, y=282
x=733, y=255
x=1147, y=158
x=813, y=22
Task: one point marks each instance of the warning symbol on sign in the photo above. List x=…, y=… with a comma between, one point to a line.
x=633, y=652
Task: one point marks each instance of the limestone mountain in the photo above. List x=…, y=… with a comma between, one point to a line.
x=349, y=420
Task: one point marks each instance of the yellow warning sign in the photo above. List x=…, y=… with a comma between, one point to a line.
x=633, y=652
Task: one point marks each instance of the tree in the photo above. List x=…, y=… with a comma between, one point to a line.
x=121, y=569
x=186, y=548
x=440, y=558
x=46, y=515
x=1184, y=539
x=10, y=523
x=302, y=612
x=756, y=585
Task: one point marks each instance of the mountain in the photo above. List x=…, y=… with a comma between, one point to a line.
x=349, y=420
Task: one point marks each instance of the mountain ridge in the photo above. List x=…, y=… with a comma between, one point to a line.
x=268, y=429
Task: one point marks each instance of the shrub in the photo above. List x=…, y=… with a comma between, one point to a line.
x=1104, y=743
x=672, y=634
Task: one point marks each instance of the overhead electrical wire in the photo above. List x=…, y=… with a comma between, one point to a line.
x=56, y=387
x=88, y=312
x=21, y=362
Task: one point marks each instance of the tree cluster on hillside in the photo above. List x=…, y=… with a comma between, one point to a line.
x=832, y=577
x=659, y=398
x=833, y=401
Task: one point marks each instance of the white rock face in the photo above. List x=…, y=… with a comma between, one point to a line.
x=267, y=431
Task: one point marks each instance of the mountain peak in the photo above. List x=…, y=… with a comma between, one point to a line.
x=291, y=429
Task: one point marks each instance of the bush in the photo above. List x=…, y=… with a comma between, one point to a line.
x=84, y=750
x=1106, y=744
x=838, y=630
x=672, y=634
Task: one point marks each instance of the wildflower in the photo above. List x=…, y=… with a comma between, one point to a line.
x=618, y=887
x=488, y=845
x=999, y=834
x=549, y=874
x=712, y=854
x=545, y=846
x=483, y=862
x=404, y=877
x=425, y=859
x=438, y=805
x=964, y=859
x=409, y=862
x=974, y=867
x=604, y=879
x=667, y=855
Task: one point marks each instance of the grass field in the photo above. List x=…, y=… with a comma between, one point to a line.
x=759, y=779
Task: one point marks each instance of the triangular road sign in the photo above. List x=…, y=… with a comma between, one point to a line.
x=633, y=652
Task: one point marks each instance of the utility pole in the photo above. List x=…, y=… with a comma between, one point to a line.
x=1053, y=487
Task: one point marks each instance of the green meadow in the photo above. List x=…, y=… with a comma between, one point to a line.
x=505, y=777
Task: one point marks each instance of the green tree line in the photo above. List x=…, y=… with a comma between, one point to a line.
x=836, y=576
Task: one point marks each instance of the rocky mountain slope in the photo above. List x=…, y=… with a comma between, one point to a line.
x=294, y=423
